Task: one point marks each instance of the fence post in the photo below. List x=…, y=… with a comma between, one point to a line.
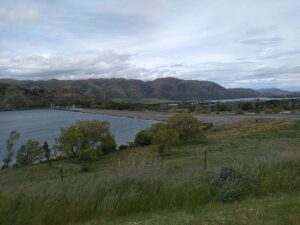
x=205, y=159
x=61, y=172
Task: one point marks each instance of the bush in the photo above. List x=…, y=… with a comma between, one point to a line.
x=143, y=137
x=239, y=111
x=123, y=147
x=30, y=153
x=186, y=126
x=207, y=126
x=85, y=169
x=233, y=185
x=268, y=111
x=165, y=138
x=180, y=128
x=87, y=155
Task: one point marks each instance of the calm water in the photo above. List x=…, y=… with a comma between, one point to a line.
x=44, y=125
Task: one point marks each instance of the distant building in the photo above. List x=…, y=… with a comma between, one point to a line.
x=173, y=105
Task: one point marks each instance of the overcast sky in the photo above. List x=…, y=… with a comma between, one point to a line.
x=236, y=43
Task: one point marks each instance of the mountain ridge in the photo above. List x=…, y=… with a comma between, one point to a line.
x=274, y=91
x=161, y=88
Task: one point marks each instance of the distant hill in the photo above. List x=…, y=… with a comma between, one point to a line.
x=14, y=97
x=274, y=92
x=244, y=93
x=163, y=88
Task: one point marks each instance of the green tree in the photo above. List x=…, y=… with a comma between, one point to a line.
x=178, y=129
x=29, y=153
x=86, y=136
x=47, y=152
x=12, y=138
x=165, y=138
x=187, y=126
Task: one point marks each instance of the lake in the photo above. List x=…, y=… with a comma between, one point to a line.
x=45, y=124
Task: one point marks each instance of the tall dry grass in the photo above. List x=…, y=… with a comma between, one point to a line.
x=140, y=185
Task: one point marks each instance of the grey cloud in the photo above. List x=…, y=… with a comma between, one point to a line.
x=261, y=30
x=177, y=65
x=57, y=66
x=80, y=65
x=281, y=54
x=193, y=40
x=275, y=72
x=18, y=15
x=263, y=41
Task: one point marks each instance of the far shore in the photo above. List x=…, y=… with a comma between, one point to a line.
x=216, y=119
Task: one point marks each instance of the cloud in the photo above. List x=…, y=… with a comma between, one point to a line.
x=17, y=15
x=263, y=41
x=95, y=64
x=79, y=65
x=260, y=31
x=276, y=72
x=75, y=65
x=229, y=42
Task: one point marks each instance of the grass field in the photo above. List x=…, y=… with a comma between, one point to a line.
x=252, y=177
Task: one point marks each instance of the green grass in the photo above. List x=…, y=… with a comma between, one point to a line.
x=253, y=177
x=275, y=210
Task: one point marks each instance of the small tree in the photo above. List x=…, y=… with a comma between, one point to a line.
x=180, y=128
x=12, y=138
x=29, y=153
x=84, y=137
x=165, y=138
x=187, y=126
x=47, y=152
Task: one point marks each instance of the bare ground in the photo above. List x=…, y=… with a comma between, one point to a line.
x=217, y=120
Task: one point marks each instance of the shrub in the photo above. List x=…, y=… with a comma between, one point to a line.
x=268, y=111
x=143, y=137
x=207, y=126
x=123, y=147
x=47, y=152
x=30, y=153
x=234, y=184
x=186, y=126
x=84, y=169
x=239, y=111
x=165, y=138
x=87, y=155
x=180, y=128
x=10, y=142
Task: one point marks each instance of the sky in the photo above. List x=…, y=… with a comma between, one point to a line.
x=236, y=43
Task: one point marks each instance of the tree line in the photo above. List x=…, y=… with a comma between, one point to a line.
x=91, y=139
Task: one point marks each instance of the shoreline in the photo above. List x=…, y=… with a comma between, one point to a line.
x=217, y=120
x=143, y=115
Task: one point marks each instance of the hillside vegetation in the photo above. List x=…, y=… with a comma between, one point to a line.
x=252, y=177
x=163, y=88
x=14, y=97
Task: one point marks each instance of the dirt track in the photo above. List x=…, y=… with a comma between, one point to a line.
x=217, y=120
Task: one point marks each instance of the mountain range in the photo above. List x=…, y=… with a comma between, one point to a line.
x=162, y=88
x=274, y=92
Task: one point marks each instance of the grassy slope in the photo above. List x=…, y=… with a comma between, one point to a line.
x=139, y=187
x=276, y=210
